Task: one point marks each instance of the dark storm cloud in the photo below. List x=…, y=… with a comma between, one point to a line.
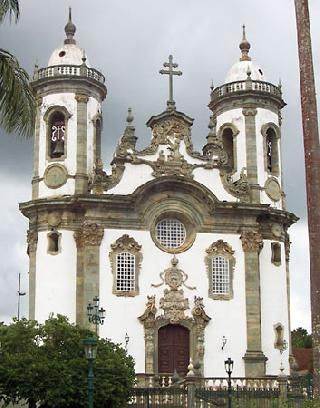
x=128, y=40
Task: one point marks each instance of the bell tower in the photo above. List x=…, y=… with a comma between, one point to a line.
x=68, y=123
x=67, y=144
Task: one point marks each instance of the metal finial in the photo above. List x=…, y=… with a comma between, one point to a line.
x=70, y=30
x=244, y=46
x=280, y=84
x=84, y=58
x=211, y=86
x=130, y=117
x=249, y=72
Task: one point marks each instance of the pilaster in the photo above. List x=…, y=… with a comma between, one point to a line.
x=81, y=178
x=32, y=240
x=254, y=358
x=88, y=240
x=35, y=177
x=249, y=114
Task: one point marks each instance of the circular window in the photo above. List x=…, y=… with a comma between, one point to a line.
x=62, y=54
x=170, y=233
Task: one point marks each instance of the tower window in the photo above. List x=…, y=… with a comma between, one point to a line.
x=57, y=127
x=227, y=143
x=271, y=150
x=220, y=263
x=54, y=242
x=126, y=258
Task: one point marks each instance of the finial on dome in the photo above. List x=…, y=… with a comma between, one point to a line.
x=70, y=30
x=129, y=116
x=244, y=46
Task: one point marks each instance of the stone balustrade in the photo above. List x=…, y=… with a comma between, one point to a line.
x=246, y=85
x=68, y=70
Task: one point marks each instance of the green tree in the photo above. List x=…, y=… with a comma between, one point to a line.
x=300, y=338
x=17, y=104
x=45, y=364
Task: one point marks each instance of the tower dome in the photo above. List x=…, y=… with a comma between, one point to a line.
x=70, y=53
x=245, y=66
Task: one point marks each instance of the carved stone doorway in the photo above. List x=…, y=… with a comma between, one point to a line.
x=173, y=349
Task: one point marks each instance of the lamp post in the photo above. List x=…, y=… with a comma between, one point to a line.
x=228, y=366
x=90, y=348
x=96, y=314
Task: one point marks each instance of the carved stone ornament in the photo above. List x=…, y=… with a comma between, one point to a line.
x=273, y=189
x=55, y=176
x=169, y=128
x=239, y=188
x=101, y=181
x=174, y=304
x=32, y=240
x=54, y=219
x=198, y=312
x=150, y=310
x=173, y=277
x=251, y=241
x=126, y=243
x=81, y=98
x=220, y=247
x=90, y=234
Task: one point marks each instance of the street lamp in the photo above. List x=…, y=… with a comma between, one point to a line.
x=96, y=314
x=228, y=366
x=90, y=348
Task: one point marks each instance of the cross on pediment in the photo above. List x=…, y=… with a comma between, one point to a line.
x=170, y=71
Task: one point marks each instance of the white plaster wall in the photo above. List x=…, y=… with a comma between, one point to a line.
x=133, y=177
x=274, y=307
x=228, y=317
x=212, y=180
x=67, y=189
x=56, y=278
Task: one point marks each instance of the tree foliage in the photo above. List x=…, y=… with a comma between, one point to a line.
x=300, y=338
x=46, y=364
x=17, y=103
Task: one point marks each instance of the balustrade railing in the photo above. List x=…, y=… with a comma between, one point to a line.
x=68, y=70
x=246, y=85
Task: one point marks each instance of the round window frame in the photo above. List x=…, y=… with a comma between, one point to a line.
x=190, y=230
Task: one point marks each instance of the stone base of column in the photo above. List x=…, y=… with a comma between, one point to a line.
x=255, y=364
x=81, y=183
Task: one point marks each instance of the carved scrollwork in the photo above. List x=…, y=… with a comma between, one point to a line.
x=126, y=243
x=90, y=234
x=150, y=310
x=220, y=247
x=101, y=181
x=174, y=277
x=174, y=305
x=251, y=241
x=198, y=312
x=169, y=128
x=239, y=188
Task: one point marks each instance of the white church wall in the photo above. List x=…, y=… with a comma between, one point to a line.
x=67, y=189
x=274, y=307
x=93, y=106
x=133, y=177
x=56, y=278
x=212, y=180
x=228, y=317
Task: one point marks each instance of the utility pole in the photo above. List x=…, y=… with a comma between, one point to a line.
x=312, y=164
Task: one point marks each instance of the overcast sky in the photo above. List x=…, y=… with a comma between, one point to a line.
x=128, y=41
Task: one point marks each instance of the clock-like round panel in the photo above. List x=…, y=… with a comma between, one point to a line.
x=273, y=189
x=55, y=176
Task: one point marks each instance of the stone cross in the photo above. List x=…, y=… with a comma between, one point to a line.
x=170, y=71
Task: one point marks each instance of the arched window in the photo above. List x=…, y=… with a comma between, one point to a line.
x=220, y=266
x=56, y=135
x=98, y=129
x=125, y=257
x=227, y=143
x=271, y=149
x=276, y=253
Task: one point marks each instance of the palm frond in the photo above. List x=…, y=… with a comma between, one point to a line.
x=9, y=8
x=17, y=103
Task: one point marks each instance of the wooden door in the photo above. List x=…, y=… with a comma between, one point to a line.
x=173, y=349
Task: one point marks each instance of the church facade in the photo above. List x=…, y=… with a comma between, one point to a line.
x=187, y=251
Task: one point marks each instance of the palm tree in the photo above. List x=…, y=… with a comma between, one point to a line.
x=17, y=103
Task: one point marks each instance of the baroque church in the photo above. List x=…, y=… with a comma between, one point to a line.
x=187, y=251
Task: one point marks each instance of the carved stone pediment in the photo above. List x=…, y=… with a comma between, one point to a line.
x=174, y=305
x=169, y=128
x=126, y=243
x=90, y=234
x=220, y=247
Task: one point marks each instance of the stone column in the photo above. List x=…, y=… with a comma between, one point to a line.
x=88, y=240
x=32, y=240
x=82, y=173
x=35, y=176
x=249, y=114
x=254, y=358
